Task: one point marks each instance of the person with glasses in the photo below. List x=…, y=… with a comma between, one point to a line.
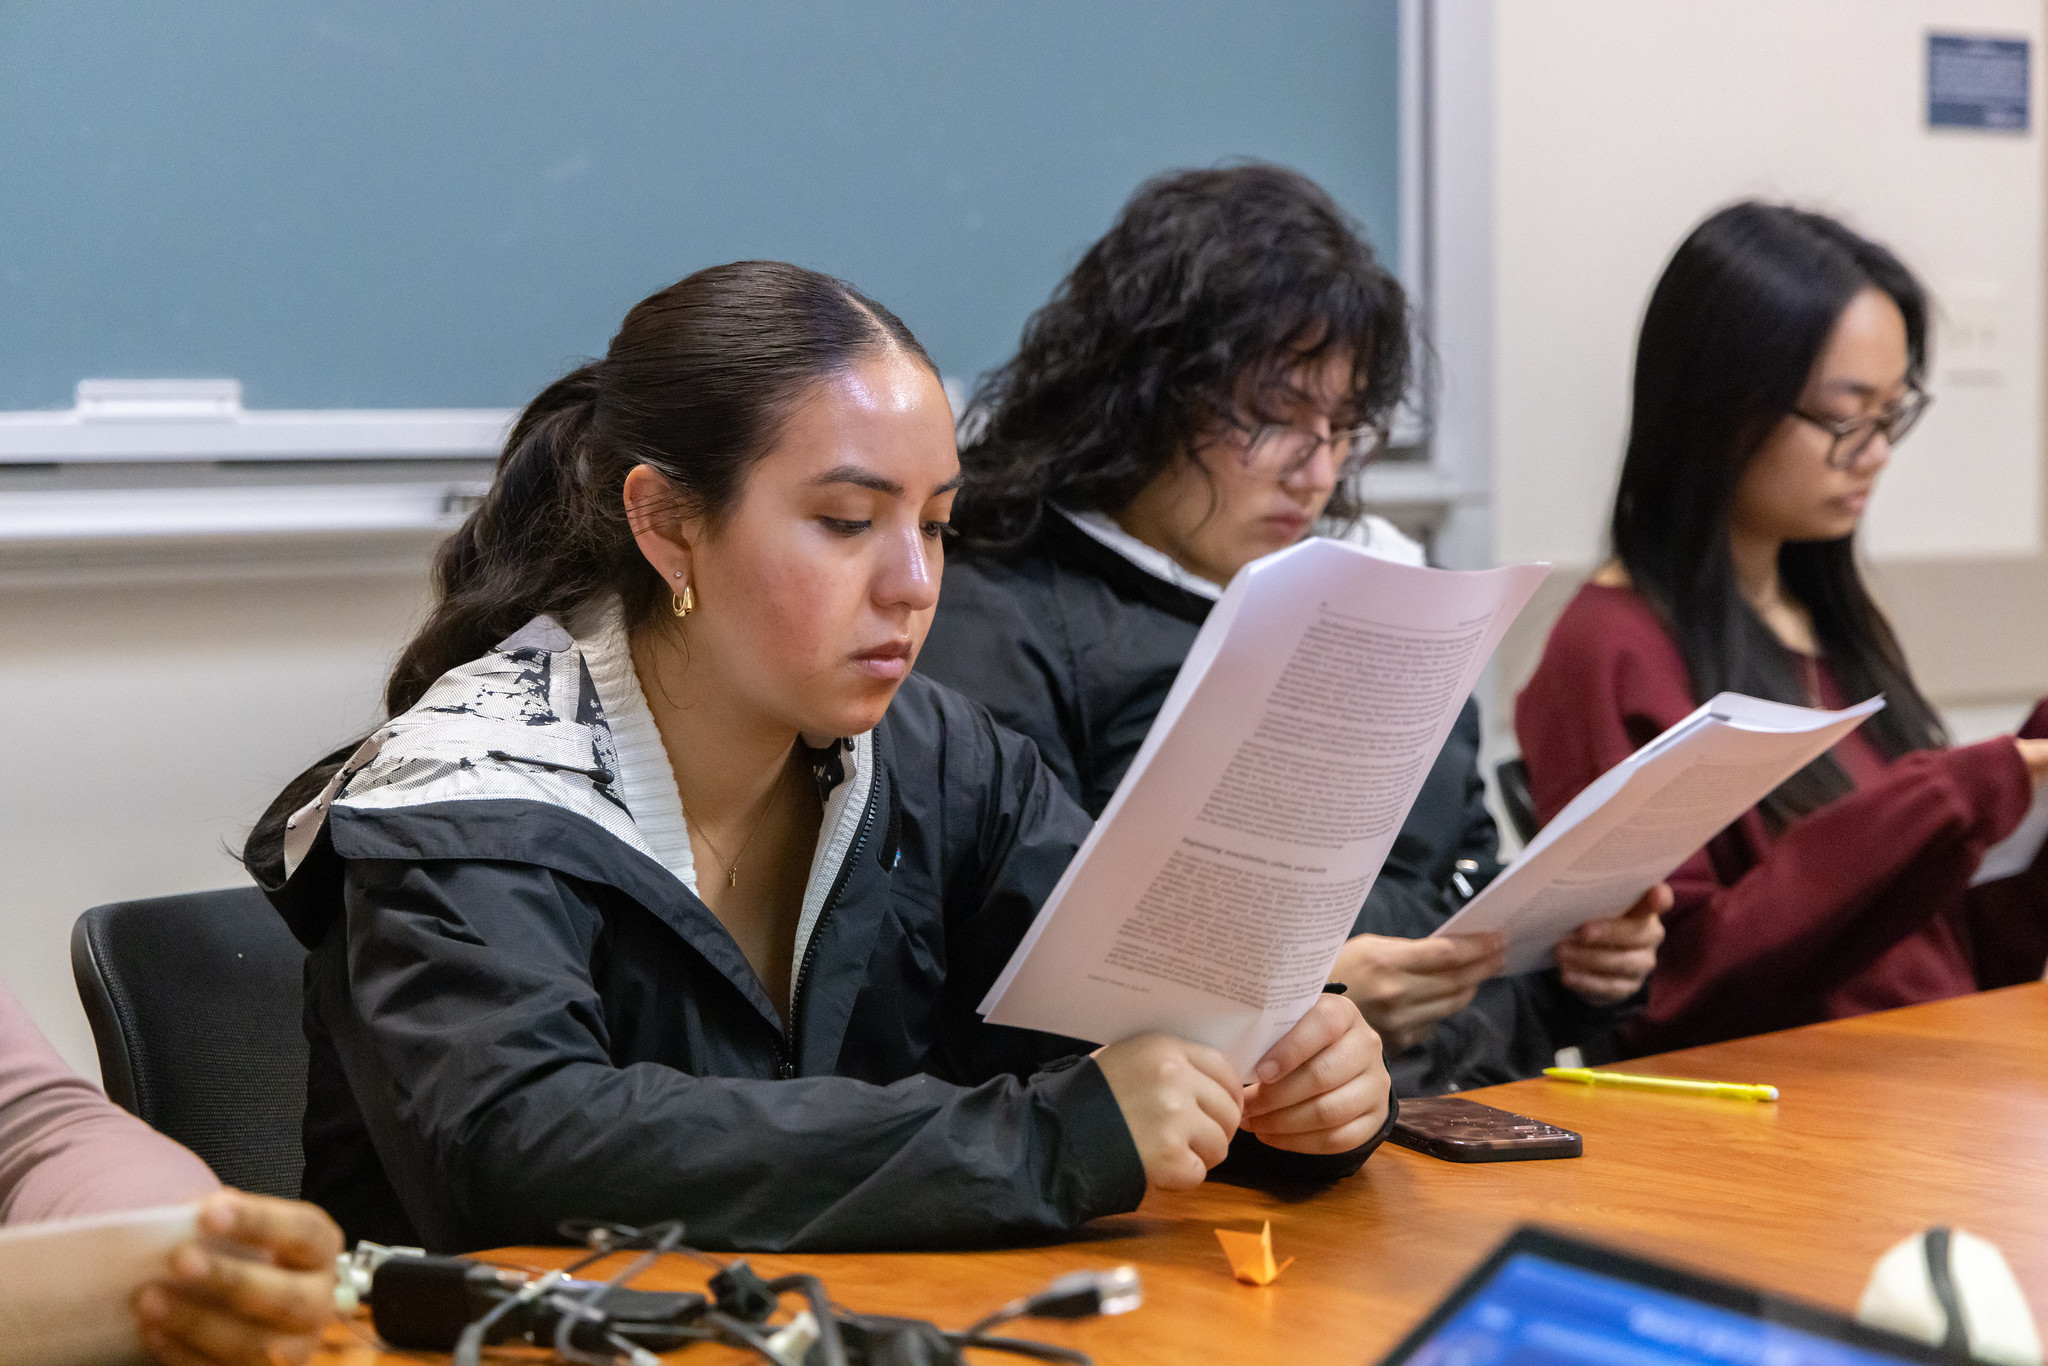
x=1780, y=365
x=1202, y=390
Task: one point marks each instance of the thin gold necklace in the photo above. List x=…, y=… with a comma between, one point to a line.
x=732, y=868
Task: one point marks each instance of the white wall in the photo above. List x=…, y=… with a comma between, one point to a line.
x=1617, y=124
x=151, y=715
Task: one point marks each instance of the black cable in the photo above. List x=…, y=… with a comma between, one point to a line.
x=830, y=1341
x=741, y=1333
x=469, y=1347
x=575, y=1311
x=1023, y=1347
x=746, y=1301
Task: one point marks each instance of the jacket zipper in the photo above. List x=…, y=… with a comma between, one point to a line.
x=787, y=1062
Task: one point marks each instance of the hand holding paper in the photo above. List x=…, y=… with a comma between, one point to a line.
x=1607, y=961
x=2016, y=852
x=1212, y=897
x=1323, y=1088
x=257, y=1284
x=1649, y=813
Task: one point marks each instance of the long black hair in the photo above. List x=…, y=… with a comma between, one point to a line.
x=696, y=384
x=1730, y=339
x=1210, y=290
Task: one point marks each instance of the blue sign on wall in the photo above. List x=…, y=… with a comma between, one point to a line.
x=1976, y=82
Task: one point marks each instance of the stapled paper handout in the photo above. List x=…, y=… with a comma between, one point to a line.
x=1642, y=818
x=1211, y=898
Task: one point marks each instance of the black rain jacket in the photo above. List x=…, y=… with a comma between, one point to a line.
x=518, y=1016
x=1075, y=646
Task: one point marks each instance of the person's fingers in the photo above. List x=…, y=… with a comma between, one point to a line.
x=179, y=1329
x=1424, y=990
x=1464, y=977
x=1350, y=1054
x=1602, y=991
x=295, y=1233
x=1211, y=1143
x=282, y=1298
x=1650, y=904
x=1624, y=972
x=1222, y=1104
x=1350, y=1115
x=1339, y=1140
x=1623, y=932
x=1607, y=961
x=1585, y=958
x=1408, y=1016
x=1443, y=952
x=1640, y=925
x=1324, y=1023
x=1330, y=1110
x=1181, y=1171
x=168, y=1351
x=1213, y=1065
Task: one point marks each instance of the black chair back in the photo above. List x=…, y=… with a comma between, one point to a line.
x=1513, y=776
x=194, y=1002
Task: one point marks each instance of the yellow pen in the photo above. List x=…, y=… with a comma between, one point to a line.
x=1731, y=1090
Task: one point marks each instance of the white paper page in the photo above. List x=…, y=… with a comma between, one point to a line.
x=65, y=1286
x=1649, y=813
x=2017, y=851
x=1211, y=898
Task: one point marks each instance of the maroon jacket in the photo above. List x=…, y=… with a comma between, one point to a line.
x=1861, y=905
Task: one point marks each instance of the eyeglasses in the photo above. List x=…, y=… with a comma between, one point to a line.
x=1280, y=452
x=1853, y=435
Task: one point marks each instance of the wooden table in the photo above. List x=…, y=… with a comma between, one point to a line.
x=1888, y=1123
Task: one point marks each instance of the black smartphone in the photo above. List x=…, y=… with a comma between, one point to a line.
x=1460, y=1130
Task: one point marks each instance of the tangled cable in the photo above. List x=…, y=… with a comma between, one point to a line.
x=444, y=1303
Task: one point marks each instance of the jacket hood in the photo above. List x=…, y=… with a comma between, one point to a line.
x=523, y=722
x=507, y=757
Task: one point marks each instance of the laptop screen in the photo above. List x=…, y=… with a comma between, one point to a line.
x=1532, y=1309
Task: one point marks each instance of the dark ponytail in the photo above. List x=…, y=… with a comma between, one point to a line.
x=505, y=565
x=696, y=384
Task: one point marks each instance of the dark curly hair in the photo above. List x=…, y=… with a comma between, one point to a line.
x=1208, y=294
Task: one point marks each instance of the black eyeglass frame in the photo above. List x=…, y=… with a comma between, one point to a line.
x=1361, y=444
x=1896, y=422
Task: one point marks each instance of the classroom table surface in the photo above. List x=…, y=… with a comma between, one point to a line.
x=1888, y=1123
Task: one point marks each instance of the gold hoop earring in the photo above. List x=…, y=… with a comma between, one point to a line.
x=684, y=605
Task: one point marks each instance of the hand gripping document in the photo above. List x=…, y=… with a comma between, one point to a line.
x=66, y=1286
x=1211, y=898
x=1649, y=813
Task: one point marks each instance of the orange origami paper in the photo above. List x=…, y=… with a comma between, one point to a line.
x=1251, y=1255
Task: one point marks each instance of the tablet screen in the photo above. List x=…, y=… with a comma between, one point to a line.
x=1534, y=1311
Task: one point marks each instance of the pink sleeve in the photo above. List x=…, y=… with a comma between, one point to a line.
x=65, y=1149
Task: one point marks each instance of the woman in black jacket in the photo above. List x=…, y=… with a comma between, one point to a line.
x=665, y=893
x=1199, y=392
